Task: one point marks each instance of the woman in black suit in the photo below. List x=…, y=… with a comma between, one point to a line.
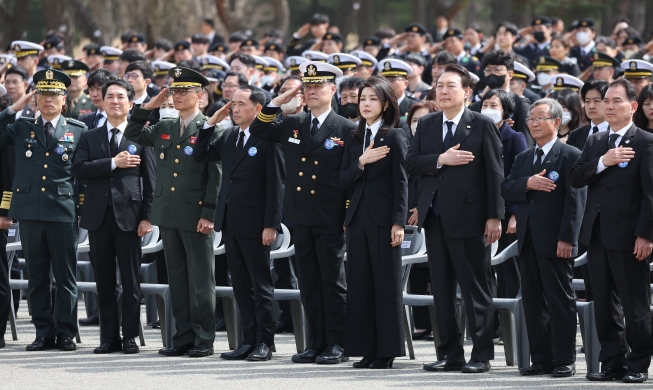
x=373, y=173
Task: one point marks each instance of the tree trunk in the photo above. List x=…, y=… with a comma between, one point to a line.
x=14, y=22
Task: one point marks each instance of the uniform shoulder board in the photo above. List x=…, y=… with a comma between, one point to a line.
x=26, y=118
x=474, y=58
x=75, y=122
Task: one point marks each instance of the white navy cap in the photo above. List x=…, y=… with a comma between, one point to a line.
x=24, y=48
x=110, y=53
x=318, y=72
x=344, y=61
x=394, y=67
x=637, y=69
x=313, y=55
x=522, y=72
x=261, y=63
x=273, y=65
x=55, y=60
x=161, y=68
x=564, y=81
x=212, y=62
x=366, y=58
x=293, y=62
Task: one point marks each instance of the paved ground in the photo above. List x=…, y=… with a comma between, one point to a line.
x=84, y=370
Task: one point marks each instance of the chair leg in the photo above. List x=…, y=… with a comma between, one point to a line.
x=299, y=325
x=408, y=334
x=141, y=331
x=592, y=346
x=166, y=317
x=509, y=335
x=523, y=347
x=12, y=319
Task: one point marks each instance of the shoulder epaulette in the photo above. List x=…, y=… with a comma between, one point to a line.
x=27, y=118
x=75, y=122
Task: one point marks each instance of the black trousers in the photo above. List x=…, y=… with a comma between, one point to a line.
x=251, y=278
x=322, y=283
x=619, y=279
x=109, y=245
x=549, y=305
x=286, y=279
x=464, y=261
x=374, y=325
x=5, y=292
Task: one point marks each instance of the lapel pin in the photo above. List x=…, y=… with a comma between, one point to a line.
x=627, y=141
x=469, y=126
x=381, y=140
x=554, y=176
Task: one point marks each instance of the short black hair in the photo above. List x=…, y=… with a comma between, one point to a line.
x=631, y=91
x=99, y=77
x=132, y=55
x=210, y=22
x=256, y=96
x=143, y=66
x=444, y=58
x=191, y=64
x=351, y=83
x=246, y=59
x=505, y=98
x=163, y=44
x=416, y=59
x=474, y=26
x=318, y=19
x=122, y=84
x=499, y=57
x=237, y=37
x=510, y=27
x=594, y=85
x=242, y=80
x=19, y=70
x=465, y=78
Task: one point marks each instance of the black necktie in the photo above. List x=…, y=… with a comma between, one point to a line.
x=447, y=137
x=49, y=132
x=96, y=120
x=368, y=138
x=314, y=128
x=537, y=167
x=241, y=141
x=595, y=130
x=612, y=140
x=113, y=143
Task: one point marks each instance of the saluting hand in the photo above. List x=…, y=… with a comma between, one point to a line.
x=22, y=102
x=617, y=155
x=540, y=183
x=372, y=155
x=219, y=115
x=287, y=96
x=397, y=235
x=453, y=156
x=157, y=101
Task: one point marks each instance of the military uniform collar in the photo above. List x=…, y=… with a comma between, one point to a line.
x=190, y=118
x=54, y=122
x=462, y=55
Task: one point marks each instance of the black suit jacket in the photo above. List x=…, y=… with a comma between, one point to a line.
x=551, y=216
x=384, y=183
x=470, y=194
x=621, y=197
x=519, y=116
x=405, y=106
x=252, y=181
x=578, y=137
x=313, y=196
x=132, y=201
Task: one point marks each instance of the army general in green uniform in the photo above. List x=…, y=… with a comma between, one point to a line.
x=77, y=101
x=43, y=201
x=184, y=203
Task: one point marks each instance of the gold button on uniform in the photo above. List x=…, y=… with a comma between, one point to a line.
x=299, y=188
x=42, y=189
x=174, y=174
x=178, y=147
x=45, y=166
x=316, y=163
x=314, y=177
x=201, y=203
x=301, y=173
x=172, y=189
x=47, y=154
x=303, y=159
x=176, y=161
x=43, y=178
x=312, y=192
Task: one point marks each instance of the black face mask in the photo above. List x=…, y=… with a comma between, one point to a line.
x=495, y=82
x=539, y=36
x=349, y=110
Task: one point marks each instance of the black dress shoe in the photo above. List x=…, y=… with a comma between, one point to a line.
x=541, y=368
x=200, y=352
x=176, y=351
x=261, y=353
x=220, y=326
x=280, y=327
x=129, y=346
x=2, y=342
x=475, y=367
x=582, y=349
x=429, y=337
x=609, y=374
x=156, y=325
x=41, y=344
x=455, y=364
x=364, y=363
x=635, y=377
x=564, y=370
x=65, y=343
x=381, y=363
x=334, y=354
x=92, y=320
x=421, y=335
x=240, y=353
x=108, y=346
x=308, y=356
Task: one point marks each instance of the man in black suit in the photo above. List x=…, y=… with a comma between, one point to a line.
x=592, y=94
x=96, y=81
x=7, y=172
x=248, y=214
x=499, y=69
x=457, y=154
x=139, y=74
x=116, y=212
x=313, y=146
x=549, y=213
x=618, y=229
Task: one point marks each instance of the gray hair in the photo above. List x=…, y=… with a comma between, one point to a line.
x=554, y=107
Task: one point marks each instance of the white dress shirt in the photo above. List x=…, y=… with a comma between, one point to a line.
x=546, y=149
x=246, y=136
x=54, y=122
x=320, y=118
x=375, y=129
x=587, y=48
x=121, y=129
x=141, y=99
x=600, y=167
x=603, y=126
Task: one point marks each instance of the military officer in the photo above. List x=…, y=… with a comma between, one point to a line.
x=541, y=28
x=184, y=204
x=27, y=56
x=293, y=62
x=637, y=72
x=455, y=44
x=315, y=56
x=585, y=52
x=43, y=199
x=78, y=101
x=604, y=67
x=111, y=56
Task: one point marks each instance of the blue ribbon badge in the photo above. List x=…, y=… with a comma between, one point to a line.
x=623, y=164
x=131, y=149
x=553, y=175
x=188, y=150
x=60, y=149
x=328, y=144
x=252, y=151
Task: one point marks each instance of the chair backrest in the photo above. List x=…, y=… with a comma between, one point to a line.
x=413, y=240
x=13, y=234
x=282, y=242
x=83, y=236
x=217, y=239
x=511, y=251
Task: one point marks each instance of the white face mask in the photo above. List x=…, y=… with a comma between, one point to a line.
x=413, y=127
x=566, y=118
x=543, y=79
x=495, y=115
x=291, y=106
x=267, y=80
x=168, y=113
x=583, y=38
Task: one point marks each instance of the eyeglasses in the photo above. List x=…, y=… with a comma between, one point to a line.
x=496, y=71
x=128, y=76
x=182, y=91
x=537, y=120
